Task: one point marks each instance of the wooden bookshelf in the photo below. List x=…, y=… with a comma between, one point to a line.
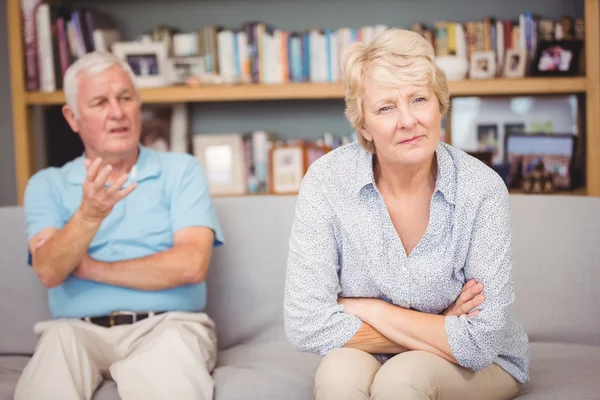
x=589, y=86
x=318, y=91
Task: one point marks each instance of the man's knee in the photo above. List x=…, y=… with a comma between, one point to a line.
x=345, y=374
x=412, y=373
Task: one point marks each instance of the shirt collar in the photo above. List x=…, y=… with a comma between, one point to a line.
x=446, y=175
x=146, y=166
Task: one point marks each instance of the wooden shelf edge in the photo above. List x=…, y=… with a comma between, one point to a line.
x=315, y=91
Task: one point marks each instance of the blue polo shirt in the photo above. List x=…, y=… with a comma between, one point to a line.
x=172, y=194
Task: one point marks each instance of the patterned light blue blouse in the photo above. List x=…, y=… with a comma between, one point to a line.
x=343, y=243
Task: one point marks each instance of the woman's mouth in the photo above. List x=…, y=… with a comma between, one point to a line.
x=412, y=140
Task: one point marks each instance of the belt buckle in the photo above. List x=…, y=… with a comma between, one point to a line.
x=111, y=317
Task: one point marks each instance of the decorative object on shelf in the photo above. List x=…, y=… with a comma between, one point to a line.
x=456, y=68
x=515, y=63
x=148, y=60
x=557, y=58
x=221, y=156
x=487, y=140
x=483, y=65
x=539, y=180
x=182, y=69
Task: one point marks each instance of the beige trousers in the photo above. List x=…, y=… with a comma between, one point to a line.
x=168, y=356
x=352, y=374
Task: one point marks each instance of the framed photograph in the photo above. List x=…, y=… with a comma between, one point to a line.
x=527, y=152
x=148, y=60
x=181, y=69
x=165, y=127
x=287, y=168
x=557, y=58
x=513, y=128
x=221, y=156
x=290, y=162
x=515, y=63
x=483, y=65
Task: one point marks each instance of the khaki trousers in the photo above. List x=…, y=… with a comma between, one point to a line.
x=168, y=356
x=352, y=374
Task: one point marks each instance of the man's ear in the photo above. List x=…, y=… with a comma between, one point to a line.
x=69, y=115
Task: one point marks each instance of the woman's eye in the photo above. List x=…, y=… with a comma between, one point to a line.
x=420, y=100
x=384, y=109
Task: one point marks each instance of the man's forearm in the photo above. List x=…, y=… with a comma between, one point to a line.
x=64, y=250
x=369, y=340
x=180, y=265
x=412, y=329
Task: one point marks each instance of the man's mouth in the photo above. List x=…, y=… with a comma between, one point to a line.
x=118, y=130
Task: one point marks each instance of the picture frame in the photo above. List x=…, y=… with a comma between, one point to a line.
x=525, y=152
x=483, y=65
x=557, y=58
x=289, y=164
x=181, y=69
x=515, y=63
x=148, y=60
x=221, y=156
x=165, y=127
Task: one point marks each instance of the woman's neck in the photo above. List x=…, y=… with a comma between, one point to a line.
x=400, y=180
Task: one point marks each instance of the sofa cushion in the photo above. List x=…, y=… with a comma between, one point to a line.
x=24, y=299
x=246, y=277
x=264, y=371
x=556, y=248
x=561, y=371
x=10, y=370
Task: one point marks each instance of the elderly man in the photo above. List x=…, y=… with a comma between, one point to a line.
x=122, y=237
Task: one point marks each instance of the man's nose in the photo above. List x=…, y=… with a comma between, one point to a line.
x=116, y=110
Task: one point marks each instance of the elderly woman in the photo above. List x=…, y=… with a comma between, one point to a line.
x=393, y=239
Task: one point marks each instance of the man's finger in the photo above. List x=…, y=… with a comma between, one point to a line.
x=116, y=185
x=93, y=169
x=100, y=181
x=121, y=194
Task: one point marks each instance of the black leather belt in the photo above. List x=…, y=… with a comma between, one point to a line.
x=120, y=318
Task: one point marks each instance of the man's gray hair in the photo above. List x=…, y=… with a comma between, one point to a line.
x=92, y=64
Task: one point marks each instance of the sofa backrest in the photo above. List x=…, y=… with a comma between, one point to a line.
x=556, y=253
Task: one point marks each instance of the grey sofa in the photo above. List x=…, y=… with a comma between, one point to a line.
x=556, y=270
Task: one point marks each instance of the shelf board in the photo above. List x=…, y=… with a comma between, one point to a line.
x=308, y=91
x=574, y=192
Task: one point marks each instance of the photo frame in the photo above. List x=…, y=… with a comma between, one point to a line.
x=289, y=163
x=181, y=69
x=221, y=156
x=165, y=127
x=483, y=65
x=525, y=152
x=557, y=58
x=148, y=60
x=515, y=63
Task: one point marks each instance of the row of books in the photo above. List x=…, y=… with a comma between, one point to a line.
x=498, y=35
x=55, y=36
x=258, y=52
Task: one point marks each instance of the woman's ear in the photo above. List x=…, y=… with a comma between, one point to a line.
x=365, y=133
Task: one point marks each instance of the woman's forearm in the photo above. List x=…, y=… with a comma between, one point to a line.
x=410, y=329
x=369, y=340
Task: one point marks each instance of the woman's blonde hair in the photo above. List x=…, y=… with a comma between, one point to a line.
x=395, y=58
